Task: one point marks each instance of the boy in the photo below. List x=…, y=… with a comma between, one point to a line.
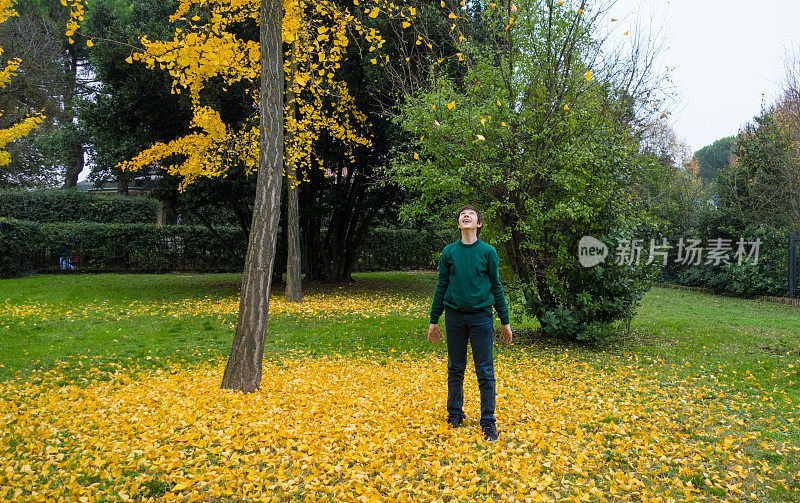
x=469, y=285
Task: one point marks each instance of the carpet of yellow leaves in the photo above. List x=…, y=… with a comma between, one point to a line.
x=372, y=428
x=329, y=304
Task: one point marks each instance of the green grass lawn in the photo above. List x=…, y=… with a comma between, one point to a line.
x=159, y=317
x=704, y=346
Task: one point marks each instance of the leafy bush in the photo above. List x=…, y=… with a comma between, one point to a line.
x=56, y=205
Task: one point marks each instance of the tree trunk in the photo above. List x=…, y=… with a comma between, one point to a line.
x=243, y=370
x=74, y=161
x=294, y=291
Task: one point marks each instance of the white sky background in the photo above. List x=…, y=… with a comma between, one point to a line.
x=723, y=53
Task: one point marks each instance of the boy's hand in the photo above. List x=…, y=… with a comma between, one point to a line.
x=434, y=334
x=506, y=336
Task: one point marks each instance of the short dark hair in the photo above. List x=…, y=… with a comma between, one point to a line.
x=477, y=212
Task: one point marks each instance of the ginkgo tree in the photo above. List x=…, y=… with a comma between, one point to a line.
x=205, y=48
x=28, y=124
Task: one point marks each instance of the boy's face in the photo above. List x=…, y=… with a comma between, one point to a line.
x=468, y=219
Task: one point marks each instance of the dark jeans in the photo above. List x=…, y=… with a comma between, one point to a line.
x=475, y=328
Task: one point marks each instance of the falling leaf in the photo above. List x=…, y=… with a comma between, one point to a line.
x=588, y=75
x=451, y=105
x=416, y=156
x=481, y=137
x=566, y=108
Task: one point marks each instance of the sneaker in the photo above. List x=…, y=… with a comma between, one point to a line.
x=490, y=433
x=455, y=421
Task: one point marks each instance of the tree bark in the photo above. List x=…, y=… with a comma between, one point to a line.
x=243, y=370
x=75, y=152
x=294, y=291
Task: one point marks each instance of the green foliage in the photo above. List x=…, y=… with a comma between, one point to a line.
x=402, y=249
x=548, y=155
x=765, y=277
x=56, y=205
x=752, y=189
x=714, y=158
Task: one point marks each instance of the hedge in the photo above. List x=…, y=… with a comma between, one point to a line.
x=20, y=247
x=58, y=205
x=402, y=249
x=766, y=277
x=96, y=247
x=29, y=247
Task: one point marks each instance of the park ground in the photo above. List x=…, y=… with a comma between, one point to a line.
x=110, y=392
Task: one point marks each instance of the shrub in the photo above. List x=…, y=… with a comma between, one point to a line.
x=57, y=205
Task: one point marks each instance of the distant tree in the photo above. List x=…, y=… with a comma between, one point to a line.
x=53, y=78
x=132, y=107
x=753, y=187
x=714, y=158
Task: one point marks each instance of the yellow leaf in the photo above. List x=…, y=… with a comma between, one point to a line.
x=374, y=13
x=613, y=19
x=416, y=157
x=483, y=121
x=481, y=137
x=129, y=60
x=498, y=103
x=71, y=41
x=374, y=61
x=180, y=487
x=442, y=4
x=89, y=43
x=195, y=18
x=588, y=75
x=625, y=33
x=451, y=105
x=452, y=16
x=566, y=108
x=412, y=11
x=560, y=2
x=513, y=8
x=406, y=24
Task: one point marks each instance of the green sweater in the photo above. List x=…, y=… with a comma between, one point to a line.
x=469, y=281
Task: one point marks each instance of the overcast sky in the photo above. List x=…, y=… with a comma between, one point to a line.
x=725, y=54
